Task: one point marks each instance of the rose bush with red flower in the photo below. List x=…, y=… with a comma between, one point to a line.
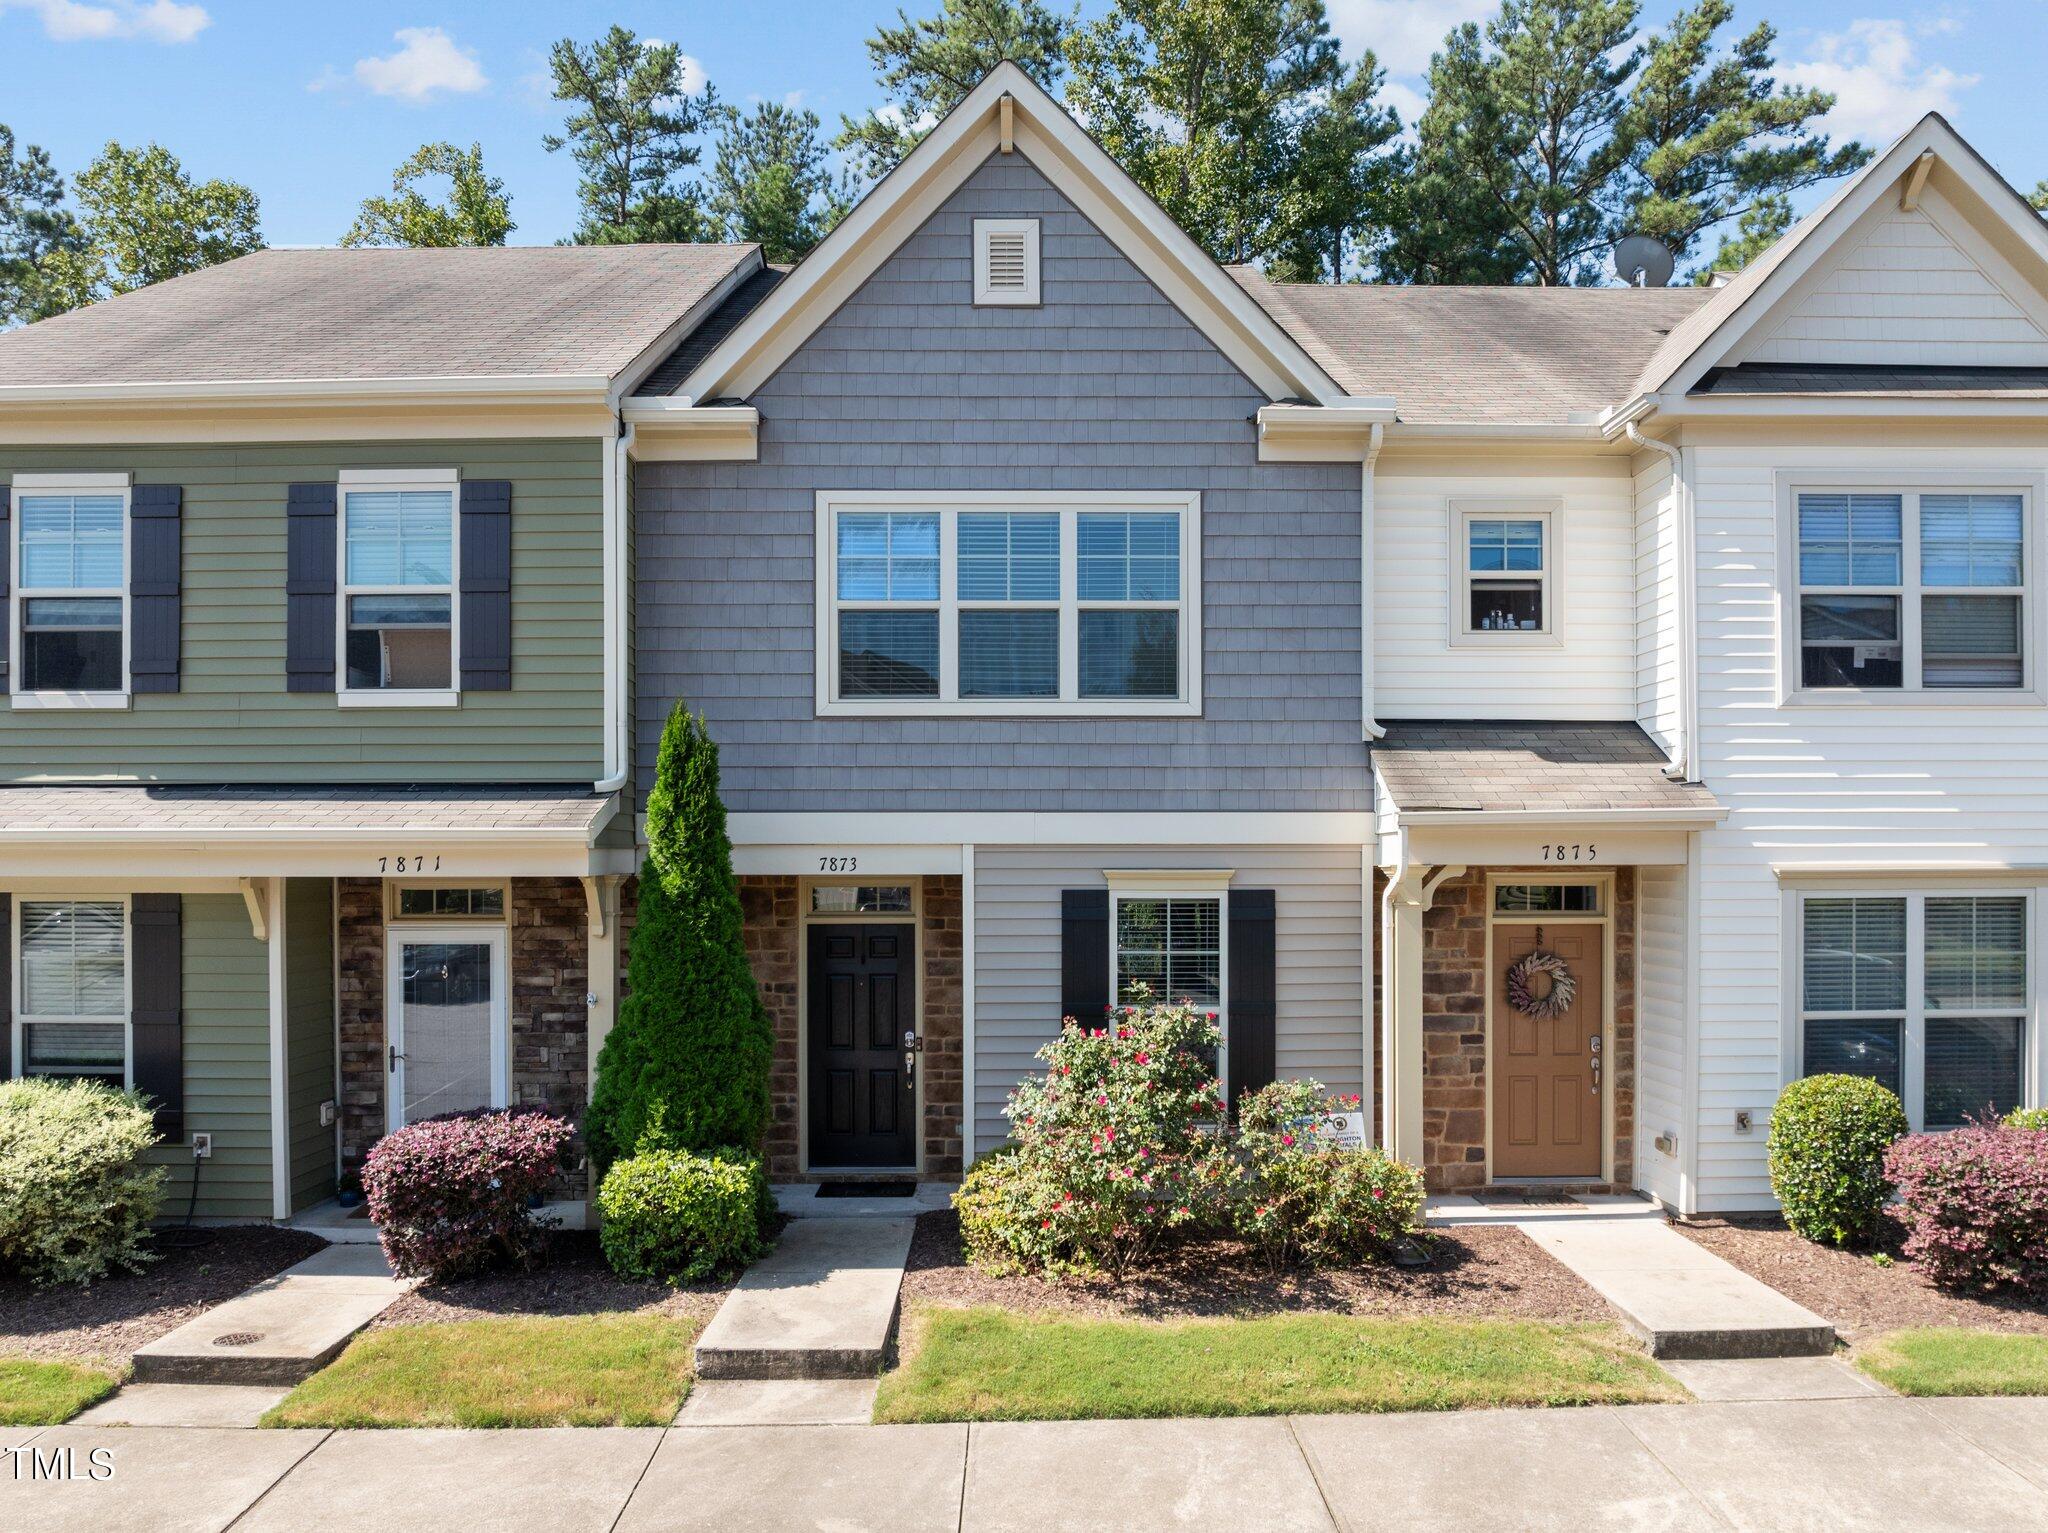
x=1300, y=1198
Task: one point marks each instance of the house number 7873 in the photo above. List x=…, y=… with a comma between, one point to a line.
x=838, y=864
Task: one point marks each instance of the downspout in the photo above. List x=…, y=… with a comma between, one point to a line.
x=618, y=724
x=1374, y=729
x=1684, y=765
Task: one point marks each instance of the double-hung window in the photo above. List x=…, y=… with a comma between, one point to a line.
x=1008, y=604
x=1911, y=590
x=1926, y=993
x=398, y=553
x=70, y=629
x=1169, y=948
x=1506, y=559
x=71, y=989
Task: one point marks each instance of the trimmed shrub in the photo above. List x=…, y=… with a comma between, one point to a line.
x=2027, y=1117
x=688, y=1057
x=670, y=1215
x=455, y=1194
x=1975, y=1205
x=1300, y=1200
x=75, y=1199
x=1829, y=1134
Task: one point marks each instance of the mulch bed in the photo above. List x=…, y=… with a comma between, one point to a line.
x=1847, y=1287
x=573, y=1280
x=109, y=1319
x=1477, y=1271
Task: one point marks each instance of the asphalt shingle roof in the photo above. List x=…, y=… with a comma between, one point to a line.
x=333, y=315
x=677, y=366
x=1490, y=355
x=224, y=812
x=1499, y=764
x=1840, y=380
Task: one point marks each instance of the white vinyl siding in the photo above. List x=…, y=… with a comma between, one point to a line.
x=1661, y=1041
x=1659, y=630
x=1318, y=966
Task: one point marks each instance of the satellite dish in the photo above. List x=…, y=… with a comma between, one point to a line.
x=1641, y=261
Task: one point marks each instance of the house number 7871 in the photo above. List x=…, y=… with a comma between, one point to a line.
x=407, y=862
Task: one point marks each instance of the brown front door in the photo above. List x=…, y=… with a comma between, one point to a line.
x=863, y=999
x=1546, y=1071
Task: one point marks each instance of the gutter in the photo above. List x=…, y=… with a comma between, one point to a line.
x=1367, y=500
x=618, y=463
x=1684, y=766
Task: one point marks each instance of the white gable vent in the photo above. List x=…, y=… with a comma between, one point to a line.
x=1005, y=260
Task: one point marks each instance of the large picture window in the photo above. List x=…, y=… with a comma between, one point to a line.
x=1008, y=604
x=71, y=578
x=1911, y=590
x=71, y=989
x=1926, y=993
x=398, y=586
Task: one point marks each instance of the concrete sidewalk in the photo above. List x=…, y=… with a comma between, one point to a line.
x=1876, y=1462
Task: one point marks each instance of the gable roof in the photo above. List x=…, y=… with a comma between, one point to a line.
x=1494, y=355
x=573, y=314
x=1713, y=332
x=1009, y=110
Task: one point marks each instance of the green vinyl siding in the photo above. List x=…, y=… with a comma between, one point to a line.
x=227, y=1063
x=309, y=1034
x=233, y=720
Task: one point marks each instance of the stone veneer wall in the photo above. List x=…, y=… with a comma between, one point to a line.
x=1454, y=991
x=359, y=1010
x=773, y=931
x=942, y=1064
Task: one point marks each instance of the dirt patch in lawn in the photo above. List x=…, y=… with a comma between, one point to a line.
x=109, y=1319
x=1476, y=1270
x=574, y=1280
x=1861, y=1297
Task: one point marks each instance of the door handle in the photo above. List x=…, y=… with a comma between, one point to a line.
x=912, y=1046
x=395, y=1058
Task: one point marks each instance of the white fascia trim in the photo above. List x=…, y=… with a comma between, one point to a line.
x=1496, y=431
x=1485, y=817
x=262, y=835
x=566, y=388
x=1896, y=872
x=1028, y=828
x=656, y=351
x=1850, y=407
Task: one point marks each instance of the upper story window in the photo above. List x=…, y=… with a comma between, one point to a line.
x=1006, y=261
x=398, y=585
x=1507, y=568
x=70, y=582
x=1008, y=604
x=71, y=989
x=1911, y=590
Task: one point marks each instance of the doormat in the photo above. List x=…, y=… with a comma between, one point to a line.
x=867, y=1189
x=1532, y=1199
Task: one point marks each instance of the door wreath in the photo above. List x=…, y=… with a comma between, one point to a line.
x=1554, y=1002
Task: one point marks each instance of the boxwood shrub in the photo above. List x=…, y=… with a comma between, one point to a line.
x=75, y=1199
x=673, y=1215
x=1828, y=1138
x=455, y=1194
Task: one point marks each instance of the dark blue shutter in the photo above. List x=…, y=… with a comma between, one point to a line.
x=156, y=950
x=310, y=513
x=486, y=585
x=1084, y=955
x=156, y=539
x=1252, y=1010
x=6, y=562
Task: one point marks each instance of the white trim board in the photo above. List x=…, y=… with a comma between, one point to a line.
x=827, y=831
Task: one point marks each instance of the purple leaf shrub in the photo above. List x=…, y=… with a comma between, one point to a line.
x=1975, y=1205
x=455, y=1194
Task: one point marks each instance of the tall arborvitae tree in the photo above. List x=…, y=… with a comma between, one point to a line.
x=629, y=129
x=686, y=1064
x=34, y=225
x=925, y=66
x=476, y=210
x=772, y=183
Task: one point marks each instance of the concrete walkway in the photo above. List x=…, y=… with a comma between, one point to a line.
x=1880, y=1463
x=1678, y=1297
x=821, y=1305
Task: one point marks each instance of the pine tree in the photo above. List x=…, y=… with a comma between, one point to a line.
x=686, y=1064
x=771, y=184
x=629, y=128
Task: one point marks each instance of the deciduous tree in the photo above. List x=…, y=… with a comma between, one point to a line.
x=475, y=211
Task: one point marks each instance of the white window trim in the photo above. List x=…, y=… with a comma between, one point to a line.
x=1913, y=1028
x=372, y=481
x=1909, y=484
x=1463, y=512
x=497, y=936
x=1026, y=296
x=1205, y=885
x=392, y=917
x=68, y=484
x=1069, y=504
x=17, y=1039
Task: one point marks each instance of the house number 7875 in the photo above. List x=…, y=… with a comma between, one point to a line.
x=1570, y=851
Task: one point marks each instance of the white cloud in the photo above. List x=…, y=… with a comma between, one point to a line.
x=1881, y=84
x=157, y=21
x=694, y=76
x=428, y=61
x=1403, y=33
x=1407, y=100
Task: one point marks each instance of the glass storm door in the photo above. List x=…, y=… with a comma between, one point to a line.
x=446, y=1022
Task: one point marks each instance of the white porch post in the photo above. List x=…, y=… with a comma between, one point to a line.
x=280, y=1063
x=1409, y=898
x=601, y=901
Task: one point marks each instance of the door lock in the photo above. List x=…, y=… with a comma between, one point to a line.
x=913, y=1045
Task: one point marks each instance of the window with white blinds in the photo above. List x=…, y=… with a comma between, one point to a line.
x=1926, y=993
x=71, y=988
x=1911, y=590
x=1009, y=604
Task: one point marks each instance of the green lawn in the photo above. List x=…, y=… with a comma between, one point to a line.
x=36, y=1394
x=1947, y=1361
x=991, y=1365
x=586, y=1370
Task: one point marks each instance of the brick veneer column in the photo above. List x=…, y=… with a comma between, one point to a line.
x=549, y=963
x=359, y=957
x=942, y=1063
x=768, y=910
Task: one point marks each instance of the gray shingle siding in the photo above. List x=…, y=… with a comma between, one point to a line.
x=1105, y=387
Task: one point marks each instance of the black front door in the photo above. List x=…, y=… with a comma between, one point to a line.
x=863, y=999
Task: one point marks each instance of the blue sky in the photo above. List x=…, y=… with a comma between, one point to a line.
x=312, y=103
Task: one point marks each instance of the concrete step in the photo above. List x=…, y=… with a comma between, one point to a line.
x=821, y=1305
x=281, y=1330
x=800, y=1200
